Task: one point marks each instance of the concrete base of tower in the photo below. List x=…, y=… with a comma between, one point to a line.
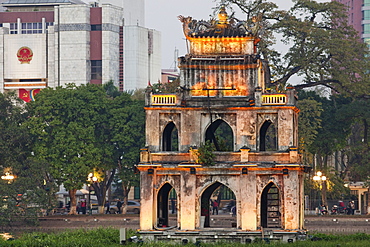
x=214, y=235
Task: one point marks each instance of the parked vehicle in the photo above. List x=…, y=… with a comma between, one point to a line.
x=132, y=207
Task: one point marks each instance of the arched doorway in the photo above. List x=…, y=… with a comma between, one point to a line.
x=226, y=202
x=170, y=138
x=221, y=135
x=166, y=206
x=268, y=136
x=270, y=207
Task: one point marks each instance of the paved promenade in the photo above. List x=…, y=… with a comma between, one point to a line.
x=341, y=224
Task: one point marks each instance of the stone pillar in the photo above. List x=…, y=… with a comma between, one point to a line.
x=291, y=96
x=247, y=201
x=258, y=96
x=291, y=200
x=144, y=155
x=148, y=200
x=244, y=156
x=293, y=155
x=194, y=154
x=188, y=212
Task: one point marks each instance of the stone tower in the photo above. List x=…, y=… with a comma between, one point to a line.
x=223, y=102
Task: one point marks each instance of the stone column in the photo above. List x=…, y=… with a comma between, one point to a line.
x=291, y=200
x=148, y=201
x=258, y=96
x=188, y=199
x=293, y=155
x=247, y=201
x=244, y=156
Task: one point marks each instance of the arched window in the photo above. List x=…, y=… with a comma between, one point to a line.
x=170, y=139
x=270, y=207
x=221, y=135
x=268, y=136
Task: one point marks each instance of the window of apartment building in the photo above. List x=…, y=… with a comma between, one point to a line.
x=96, y=27
x=13, y=28
x=366, y=2
x=367, y=15
x=48, y=24
x=366, y=28
x=96, y=70
x=29, y=28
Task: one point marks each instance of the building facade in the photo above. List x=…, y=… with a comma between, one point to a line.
x=222, y=102
x=50, y=44
x=359, y=16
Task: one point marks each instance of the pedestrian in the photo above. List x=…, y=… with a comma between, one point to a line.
x=83, y=206
x=352, y=207
x=324, y=209
x=233, y=211
x=172, y=206
x=107, y=205
x=68, y=206
x=119, y=206
x=349, y=208
x=78, y=207
x=215, y=207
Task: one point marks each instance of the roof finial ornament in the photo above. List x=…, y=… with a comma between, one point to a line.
x=223, y=18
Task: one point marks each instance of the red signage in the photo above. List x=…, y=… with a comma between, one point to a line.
x=24, y=54
x=28, y=95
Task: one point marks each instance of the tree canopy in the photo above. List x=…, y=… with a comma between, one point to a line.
x=71, y=127
x=25, y=188
x=322, y=48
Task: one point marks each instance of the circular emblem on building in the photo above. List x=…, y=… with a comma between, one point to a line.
x=24, y=54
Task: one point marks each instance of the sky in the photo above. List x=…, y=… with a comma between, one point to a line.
x=162, y=15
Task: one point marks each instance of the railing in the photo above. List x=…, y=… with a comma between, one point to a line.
x=274, y=99
x=164, y=99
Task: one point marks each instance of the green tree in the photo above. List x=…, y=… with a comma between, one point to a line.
x=205, y=153
x=128, y=137
x=23, y=197
x=72, y=129
x=308, y=125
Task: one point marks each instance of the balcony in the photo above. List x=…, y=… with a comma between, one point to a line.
x=164, y=99
x=274, y=99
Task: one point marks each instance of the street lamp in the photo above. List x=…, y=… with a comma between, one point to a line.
x=92, y=179
x=9, y=177
x=322, y=182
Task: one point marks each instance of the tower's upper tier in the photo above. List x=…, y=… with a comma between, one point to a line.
x=222, y=36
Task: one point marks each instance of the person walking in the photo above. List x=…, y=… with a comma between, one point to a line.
x=173, y=205
x=107, y=205
x=215, y=207
x=352, y=205
x=78, y=207
x=119, y=206
x=349, y=208
x=83, y=207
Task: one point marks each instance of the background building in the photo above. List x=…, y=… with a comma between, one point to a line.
x=359, y=16
x=50, y=44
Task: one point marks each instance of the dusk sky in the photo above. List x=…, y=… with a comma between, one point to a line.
x=162, y=15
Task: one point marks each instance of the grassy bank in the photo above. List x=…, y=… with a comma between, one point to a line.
x=108, y=237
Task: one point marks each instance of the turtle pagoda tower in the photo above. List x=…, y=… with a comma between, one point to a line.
x=224, y=100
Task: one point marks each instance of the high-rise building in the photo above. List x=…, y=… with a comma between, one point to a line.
x=359, y=16
x=51, y=43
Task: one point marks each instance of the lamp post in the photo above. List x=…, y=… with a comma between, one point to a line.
x=319, y=177
x=9, y=177
x=91, y=179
